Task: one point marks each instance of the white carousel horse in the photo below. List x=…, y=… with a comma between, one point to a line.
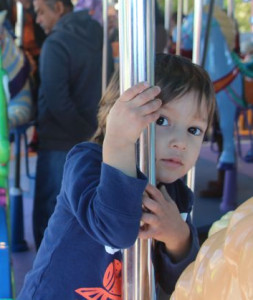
x=224, y=73
x=15, y=63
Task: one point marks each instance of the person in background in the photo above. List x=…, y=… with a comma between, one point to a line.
x=33, y=34
x=9, y=21
x=104, y=196
x=93, y=6
x=160, y=32
x=70, y=89
x=33, y=38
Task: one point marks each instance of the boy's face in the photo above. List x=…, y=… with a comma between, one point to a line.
x=179, y=135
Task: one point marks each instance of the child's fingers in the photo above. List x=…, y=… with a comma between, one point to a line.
x=149, y=218
x=154, y=193
x=149, y=228
x=165, y=194
x=152, y=190
x=133, y=91
x=147, y=95
x=141, y=93
x=151, y=107
x=158, y=194
x=146, y=233
x=150, y=204
x=148, y=119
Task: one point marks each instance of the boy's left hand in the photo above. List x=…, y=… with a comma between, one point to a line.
x=163, y=222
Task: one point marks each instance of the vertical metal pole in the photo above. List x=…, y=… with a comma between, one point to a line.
x=167, y=20
x=16, y=198
x=230, y=11
x=136, y=52
x=197, y=60
x=197, y=26
x=186, y=7
x=251, y=17
x=105, y=45
x=19, y=24
x=167, y=14
x=179, y=25
x=207, y=32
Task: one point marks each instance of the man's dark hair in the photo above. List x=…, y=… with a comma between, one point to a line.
x=66, y=3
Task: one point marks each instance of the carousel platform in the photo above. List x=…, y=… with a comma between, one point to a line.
x=206, y=210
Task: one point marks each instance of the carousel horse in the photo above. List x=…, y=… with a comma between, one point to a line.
x=16, y=64
x=6, y=290
x=225, y=74
x=19, y=104
x=223, y=268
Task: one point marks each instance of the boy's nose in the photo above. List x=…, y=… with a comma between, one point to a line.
x=177, y=140
x=180, y=145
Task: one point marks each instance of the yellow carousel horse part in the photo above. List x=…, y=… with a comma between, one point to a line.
x=227, y=25
x=223, y=268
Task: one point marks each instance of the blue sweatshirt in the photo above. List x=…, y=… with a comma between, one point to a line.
x=98, y=212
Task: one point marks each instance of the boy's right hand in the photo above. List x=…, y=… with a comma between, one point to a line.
x=130, y=115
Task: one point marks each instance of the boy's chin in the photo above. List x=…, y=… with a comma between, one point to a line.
x=166, y=176
x=166, y=180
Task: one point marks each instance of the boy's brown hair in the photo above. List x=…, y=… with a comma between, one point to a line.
x=176, y=76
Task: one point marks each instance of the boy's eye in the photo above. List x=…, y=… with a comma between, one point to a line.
x=195, y=131
x=161, y=121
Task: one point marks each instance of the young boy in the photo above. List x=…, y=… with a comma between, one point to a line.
x=99, y=208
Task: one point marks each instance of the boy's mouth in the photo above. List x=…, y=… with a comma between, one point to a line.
x=174, y=161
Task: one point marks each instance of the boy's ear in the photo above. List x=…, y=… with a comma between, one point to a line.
x=59, y=8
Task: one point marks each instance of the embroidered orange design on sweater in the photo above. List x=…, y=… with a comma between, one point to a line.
x=111, y=283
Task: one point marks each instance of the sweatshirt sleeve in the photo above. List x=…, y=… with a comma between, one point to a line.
x=167, y=271
x=106, y=202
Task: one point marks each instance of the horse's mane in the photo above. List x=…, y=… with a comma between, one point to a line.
x=227, y=25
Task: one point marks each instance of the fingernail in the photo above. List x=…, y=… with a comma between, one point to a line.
x=162, y=188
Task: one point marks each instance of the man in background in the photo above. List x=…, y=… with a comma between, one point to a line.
x=70, y=72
